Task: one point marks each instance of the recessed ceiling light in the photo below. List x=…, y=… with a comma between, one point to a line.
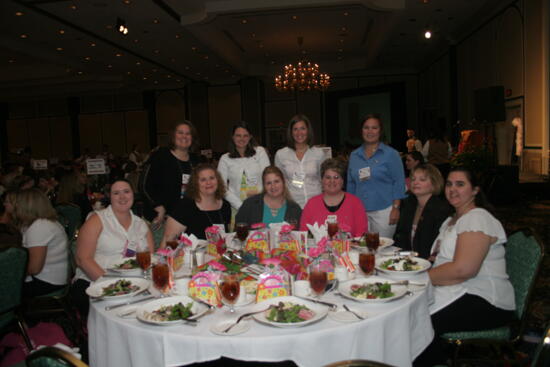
x=187, y=68
x=80, y=72
x=61, y=31
x=178, y=80
x=144, y=78
x=340, y=50
x=136, y=40
x=253, y=35
x=343, y=29
x=118, y=54
x=128, y=72
x=154, y=70
x=11, y=61
x=205, y=57
x=138, y=63
x=156, y=51
x=73, y=7
x=59, y=49
x=244, y=21
x=198, y=73
x=109, y=66
x=127, y=2
x=226, y=70
x=92, y=44
x=178, y=36
x=168, y=76
x=294, y=17
x=19, y=13
x=23, y=36
x=427, y=34
x=156, y=21
x=156, y=82
x=193, y=48
x=346, y=13
x=87, y=58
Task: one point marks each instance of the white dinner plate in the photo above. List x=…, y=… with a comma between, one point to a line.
x=240, y=328
x=320, y=312
x=345, y=290
x=115, y=269
x=95, y=290
x=142, y=312
x=422, y=262
x=384, y=242
x=346, y=317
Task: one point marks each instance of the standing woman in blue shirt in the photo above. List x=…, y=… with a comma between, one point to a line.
x=376, y=176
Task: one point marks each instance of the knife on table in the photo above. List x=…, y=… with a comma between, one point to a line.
x=331, y=305
x=112, y=307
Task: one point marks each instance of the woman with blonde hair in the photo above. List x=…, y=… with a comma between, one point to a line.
x=45, y=240
x=273, y=205
x=203, y=205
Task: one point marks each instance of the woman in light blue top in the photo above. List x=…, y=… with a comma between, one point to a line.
x=376, y=176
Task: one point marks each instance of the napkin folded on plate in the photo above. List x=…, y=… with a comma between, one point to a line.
x=318, y=231
x=63, y=347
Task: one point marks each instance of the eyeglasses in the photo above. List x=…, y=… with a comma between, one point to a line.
x=335, y=177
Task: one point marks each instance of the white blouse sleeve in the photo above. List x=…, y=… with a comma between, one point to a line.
x=480, y=220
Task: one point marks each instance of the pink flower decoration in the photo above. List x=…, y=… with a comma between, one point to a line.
x=213, y=229
x=186, y=241
x=258, y=226
x=345, y=227
x=217, y=266
x=272, y=261
x=165, y=251
x=287, y=228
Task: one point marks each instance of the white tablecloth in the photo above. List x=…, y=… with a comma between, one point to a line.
x=394, y=333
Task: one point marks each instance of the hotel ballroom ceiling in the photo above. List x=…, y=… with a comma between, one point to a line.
x=59, y=47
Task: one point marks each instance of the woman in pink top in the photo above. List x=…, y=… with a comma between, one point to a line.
x=346, y=208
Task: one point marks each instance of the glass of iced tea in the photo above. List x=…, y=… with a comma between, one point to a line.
x=366, y=260
x=143, y=257
x=318, y=279
x=172, y=244
x=241, y=230
x=161, y=277
x=373, y=240
x=230, y=289
x=332, y=228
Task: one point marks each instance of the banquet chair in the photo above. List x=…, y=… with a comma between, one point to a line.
x=524, y=253
x=357, y=363
x=541, y=357
x=53, y=357
x=13, y=267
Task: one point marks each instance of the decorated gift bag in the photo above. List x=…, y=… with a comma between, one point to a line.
x=204, y=286
x=340, y=242
x=257, y=242
x=273, y=283
x=283, y=238
x=216, y=242
x=321, y=253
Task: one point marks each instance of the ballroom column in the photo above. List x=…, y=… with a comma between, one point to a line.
x=4, y=115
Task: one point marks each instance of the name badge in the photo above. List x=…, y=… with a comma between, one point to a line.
x=184, y=181
x=298, y=179
x=130, y=249
x=364, y=173
x=251, y=181
x=333, y=218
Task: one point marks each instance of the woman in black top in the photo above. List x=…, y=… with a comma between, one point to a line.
x=203, y=206
x=423, y=212
x=167, y=176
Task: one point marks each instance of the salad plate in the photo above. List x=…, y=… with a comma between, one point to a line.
x=384, y=242
x=126, y=267
x=299, y=312
x=403, y=265
x=117, y=288
x=371, y=290
x=170, y=311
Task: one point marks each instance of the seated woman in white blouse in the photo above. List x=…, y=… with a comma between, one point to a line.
x=45, y=238
x=472, y=290
x=106, y=238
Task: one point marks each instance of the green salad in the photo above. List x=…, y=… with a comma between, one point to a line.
x=128, y=264
x=179, y=311
x=288, y=312
x=401, y=264
x=119, y=288
x=371, y=291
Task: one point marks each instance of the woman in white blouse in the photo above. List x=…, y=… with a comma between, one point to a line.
x=241, y=168
x=300, y=162
x=471, y=287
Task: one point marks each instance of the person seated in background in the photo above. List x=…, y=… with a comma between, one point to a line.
x=273, y=205
x=412, y=160
x=203, y=206
x=423, y=212
x=472, y=290
x=9, y=235
x=107, y=237
x=70, y=190
x=46, y=241
x=346, y=208
x=413, y=143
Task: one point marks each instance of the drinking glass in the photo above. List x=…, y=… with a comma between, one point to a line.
x=172, y=244
x=241, y=230
x=317, y=279
x=143, y=258
x=230, y=289
x=332, y=228
x=367, y=260
x=161, y=277
x=373, y=240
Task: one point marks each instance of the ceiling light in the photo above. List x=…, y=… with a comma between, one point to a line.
x=61, y=31
x=136, y=40
x=156, y=51
x=118, y=54
x=178, y=36
x=87, y=58
x=294, y=17
x=59, y=49
x=154, y=70
x=427, y=34
x=23, y=36
x=92, y=44
x=346, y=13
x=121, y=26
x=128, y=72
x=19, y=13
x=11, y=61
x=138, y=63
x=109, y=66
x=127, y=2
x=156, y=21
x=79, y=72
x=73, y=7
x=304, y=76
x=144, y=78
x=244, y=21
x=156, y=82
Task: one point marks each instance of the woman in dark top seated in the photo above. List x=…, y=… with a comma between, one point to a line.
x=203, y=206
x=423, y=212
x=273, y=205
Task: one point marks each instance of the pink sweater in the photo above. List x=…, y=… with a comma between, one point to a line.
x=352, y=213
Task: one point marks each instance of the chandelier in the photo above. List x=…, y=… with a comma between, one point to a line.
x=304, y=76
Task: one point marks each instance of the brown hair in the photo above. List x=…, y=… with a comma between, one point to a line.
x=293, y=121
x=30, y=205
x=69, y=186
x=276, y=171
x=249, y=150
x=193, y=192
x=334, y=164
x=377, y=117
x=433, y=174
x=192, y=129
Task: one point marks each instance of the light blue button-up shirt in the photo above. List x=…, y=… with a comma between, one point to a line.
x=387, y=177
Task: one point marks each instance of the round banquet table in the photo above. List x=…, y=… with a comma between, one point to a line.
x=394, y=333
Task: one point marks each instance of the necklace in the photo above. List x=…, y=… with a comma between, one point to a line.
x=210, y=219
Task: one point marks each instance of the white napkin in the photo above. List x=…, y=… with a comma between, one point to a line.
x=318, y=231
x=63, y=347
x=194, y=240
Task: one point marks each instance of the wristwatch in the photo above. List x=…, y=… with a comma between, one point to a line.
x=395, y=206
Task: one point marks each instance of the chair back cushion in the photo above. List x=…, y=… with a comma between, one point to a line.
x=13, y=266
x=523, y=256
